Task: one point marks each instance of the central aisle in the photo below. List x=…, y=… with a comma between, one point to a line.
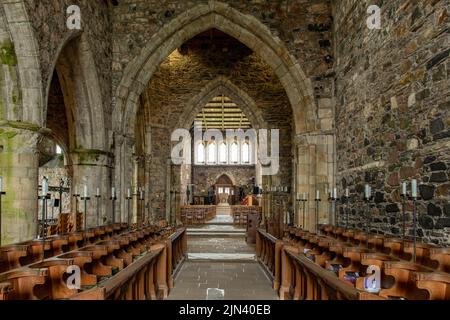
x=221, y=265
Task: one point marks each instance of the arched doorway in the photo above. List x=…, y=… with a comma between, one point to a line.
x=224, y=185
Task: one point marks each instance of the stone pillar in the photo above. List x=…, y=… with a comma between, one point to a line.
x=19, y=167
x=315, y=171
x=92, y=168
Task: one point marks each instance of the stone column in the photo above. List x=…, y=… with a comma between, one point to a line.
x=19, y=166
x=92, y=168
x=315, y=171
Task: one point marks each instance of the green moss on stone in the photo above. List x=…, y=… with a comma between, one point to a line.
x=8, y=54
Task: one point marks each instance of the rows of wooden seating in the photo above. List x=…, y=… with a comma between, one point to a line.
x=21, y=254
x=240, y=213
x=190, y=215
x=333, y=266
x=115, y=263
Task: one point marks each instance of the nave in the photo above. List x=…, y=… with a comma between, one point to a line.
x=224, y=149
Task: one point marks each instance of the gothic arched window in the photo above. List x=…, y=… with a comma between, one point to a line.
x=223, y=150
x=201, y=153
x=245, y=152
x=234, y=152
x=212, y=152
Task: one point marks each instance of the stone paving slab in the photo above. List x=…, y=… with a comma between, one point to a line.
x=237, y=281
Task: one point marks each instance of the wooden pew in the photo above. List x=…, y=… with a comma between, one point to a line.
x=442, y=256
x=436, y=284
x=320, y=284
x=23, y=281
x=5, y=289
x=55, y=286
x=80, y=259
x=10, y=256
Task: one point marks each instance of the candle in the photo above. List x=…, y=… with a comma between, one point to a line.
x=414, y=188
x=129, y=193
x=113, y=192
x=141, y=194
x=1, y=184
x=335, y=193
x=298, y=196
x=98, y=192
x=347, y=193
x=317, y=194
x=305, y=196
x=404, y=192
x=85, y=191
x=44, y=187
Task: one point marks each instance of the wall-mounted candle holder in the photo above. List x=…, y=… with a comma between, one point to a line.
x=344, y=201
x=414, y=197
x=76, y=195
x=85, y=199
x=129, y=198
x=113, y=199
x=142, y=209
x=97, y=210
x=405, y=197
x=332, y=209
x=368, y=199
x=317, y=200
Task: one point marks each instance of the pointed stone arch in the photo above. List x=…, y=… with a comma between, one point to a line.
x=243, y=27
x=79, y=80
x=226, y=175
x=26, y=50
x=218, y=86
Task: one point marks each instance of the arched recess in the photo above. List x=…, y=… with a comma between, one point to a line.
x=82, y=95
x=246, y=29
x=218, y=86
x=224, y=177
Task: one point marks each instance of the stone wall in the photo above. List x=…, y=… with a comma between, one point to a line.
x=206, y=176
x=304, y=27
x=392, y=111
x=48, y=19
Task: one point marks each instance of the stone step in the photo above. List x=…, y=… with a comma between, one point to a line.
x=216, y=234
x=222, y=257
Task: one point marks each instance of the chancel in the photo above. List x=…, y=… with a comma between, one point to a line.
x=224, y=150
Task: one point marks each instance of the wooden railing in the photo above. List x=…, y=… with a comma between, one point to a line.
x=268, y=253
x=130, y=265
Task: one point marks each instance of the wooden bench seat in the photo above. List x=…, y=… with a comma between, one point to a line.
x=55, y=287
x=401, y=286
x=23, y=281
x=442, y=256
x=10, y=256
x=436, y=284
x=80, y=259
x=97, y=267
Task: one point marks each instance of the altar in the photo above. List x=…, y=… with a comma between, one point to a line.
x=223, y=208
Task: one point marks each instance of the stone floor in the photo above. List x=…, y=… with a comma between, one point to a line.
x=222, y=281
x=221, y=265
